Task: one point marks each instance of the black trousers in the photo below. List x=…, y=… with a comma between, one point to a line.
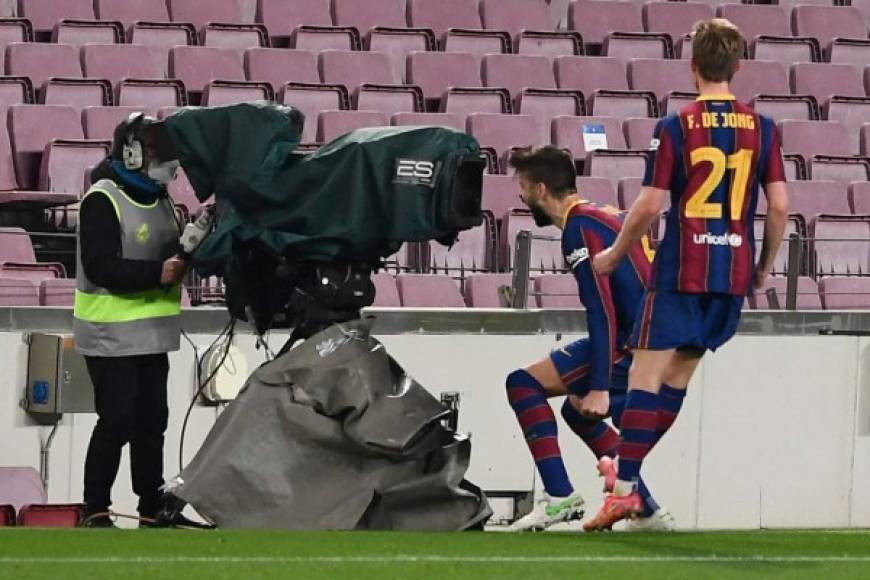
x=130, y=398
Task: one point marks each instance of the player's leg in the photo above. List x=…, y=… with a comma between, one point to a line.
x=527, y=391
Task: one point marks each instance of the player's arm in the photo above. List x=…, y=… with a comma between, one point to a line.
x=648, y=206
x=777, y=210
x=596, y=296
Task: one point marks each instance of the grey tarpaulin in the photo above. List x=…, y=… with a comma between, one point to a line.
x=333, y=435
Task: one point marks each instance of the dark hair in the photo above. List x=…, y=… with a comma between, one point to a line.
x=548, y=165
x=717, y=47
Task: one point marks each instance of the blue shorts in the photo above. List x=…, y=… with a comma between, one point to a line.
x=572, y=361
x=687, y=322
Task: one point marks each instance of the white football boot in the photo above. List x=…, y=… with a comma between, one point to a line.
x=660, y=521
x=549, y=511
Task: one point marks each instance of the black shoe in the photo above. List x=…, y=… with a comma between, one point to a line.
x=169, y=516
x=98, y=521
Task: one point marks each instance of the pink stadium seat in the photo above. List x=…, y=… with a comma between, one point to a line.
x=18, y=260
x=865, y=139
x=198, y=65
x=407, y=259
x=218, y=93
x=845, y=292
x=79, y=32
x=57, y=292
x=596, y=189
x=182, y=193
x=44, y=14
x=472, y=252
x=386, y=291
x=483, y=290
x=852, y=113
x=429, y=290
x=828, y=22
x=517, y=72
x=31, y=127
x=660, y=76
x=476, y=42
x=572, y=132
x=760, y=76
x=595, y=19
x=814, y=138
x=628, y=191
x=807, y=293
x=793, y=226
x=238, y=36
x=546, y=255
x=14, y=30
x=20, y=486
x=785, y=49
x=784, y=107
x=367, y=15
x=809, y=198
x=516, y=16
x=824, y=80
x=859, y=197
x=546, y=104
x=398, y=43
x=7, y=515
x=311, y=100
x=64, y=163
x=842, y=168
x=278, y=66
x=284, y=17
x=129, y=12
x=557, y=291
x=443, y=15
x=51, y=515
x=628, y=45
x=623, y=104
x=835, y=254
x=119, y=61
x=638, y=131
x=435, y=72
x=464, y=101
x=151, y=94
x=352, y=68
x=500, y=194
x=589, y=74
x=849, y=51
x=41, y=61
x=674, y=18
x=17, y=292
x=14, y=90
x=451, y=120
x=615, y=165
x=757, y=19
x=502, y=132
x=333, y=124
x=199, y=13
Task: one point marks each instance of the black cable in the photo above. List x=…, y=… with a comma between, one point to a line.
x=228, y=333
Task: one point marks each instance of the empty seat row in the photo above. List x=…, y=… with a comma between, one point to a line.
x=829, y=292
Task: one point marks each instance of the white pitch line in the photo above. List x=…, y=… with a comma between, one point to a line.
x=436, y=559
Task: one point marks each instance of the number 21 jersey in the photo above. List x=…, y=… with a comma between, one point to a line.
x=712, y=156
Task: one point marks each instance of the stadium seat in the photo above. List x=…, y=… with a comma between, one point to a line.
x=429, y=290
x=849, y=51
x=42, y=61
x=628, y=45
x=386, y=291
x=755, y=20
x=674, y=18
x=628, y=190
x=408, y=258
x=615, y=165
x=219, y=93
x=12, y=195
x=865, y=139
x=472, y=252
x=595, y=19
x=443, y=15
x=352, y=68
x=760, y=77
x=320, y=38
x=638, y=131
x=434, y=72
x=589, y=74
x=835, y=254
x=17, y=291
x=484, y=290
x=370, y=14
x=785, y=107
x=64, y=163
x=859, y=197
x=828, y=22
x=183, y=195
x=151, y=94
x=451, y=120
x=119, y=61
x=311, y=99
x=18, y=260
x=14, y=30
x=15, y=90
x=530, y=26
x=809, y=198
x=129, y=12
x=57, y=292
x=284, y=17
x=596, y=189
x=478, y=43
x=661, y=76
x=277, y=66
x=842, y=168
x=388, y=99
x=51, y=515
x=31, y=128
x=785, y=49
x=78, y=32
x=852, y=112
x=557, y=291
x=200, y=13
x=807, y=294
x=44, y=14
x=500, y=194
x=517, y=72
x=814, y=138
x=845, y=292
x=503, y=132
x=574, y=133
x=464, y=101
x=238, y=36
x=824, y=80
x=333, y=124
x=780, y=262
x=20, y=486
x=196, y=66
x=546, y=254
x=546, y=104
x=7, y=515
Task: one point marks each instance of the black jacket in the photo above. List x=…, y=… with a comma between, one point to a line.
x=100, y=240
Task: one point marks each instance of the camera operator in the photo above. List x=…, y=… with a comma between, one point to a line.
x=127, y=311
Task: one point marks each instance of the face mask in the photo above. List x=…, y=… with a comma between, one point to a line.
x=162, y=173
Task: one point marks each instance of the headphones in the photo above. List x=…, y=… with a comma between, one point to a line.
x=132, y=150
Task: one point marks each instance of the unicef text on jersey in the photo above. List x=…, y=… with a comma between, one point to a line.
x=708, y=239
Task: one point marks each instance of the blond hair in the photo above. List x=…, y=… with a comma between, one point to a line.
x=717, y=47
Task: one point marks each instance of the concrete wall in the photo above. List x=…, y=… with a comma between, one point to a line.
x=775, y=431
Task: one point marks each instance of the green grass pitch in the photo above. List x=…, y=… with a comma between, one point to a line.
x=214, y=555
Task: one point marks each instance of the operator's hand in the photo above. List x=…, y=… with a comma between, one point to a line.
x=596, y=404
x=604, y=262
x=174, y=270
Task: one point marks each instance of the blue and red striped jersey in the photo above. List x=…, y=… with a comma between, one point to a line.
x=712, y=156
x=611, y=302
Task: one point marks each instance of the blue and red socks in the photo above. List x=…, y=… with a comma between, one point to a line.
x=528, y=399
x=601, y=438
x=670, y=403
x=638, y=430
